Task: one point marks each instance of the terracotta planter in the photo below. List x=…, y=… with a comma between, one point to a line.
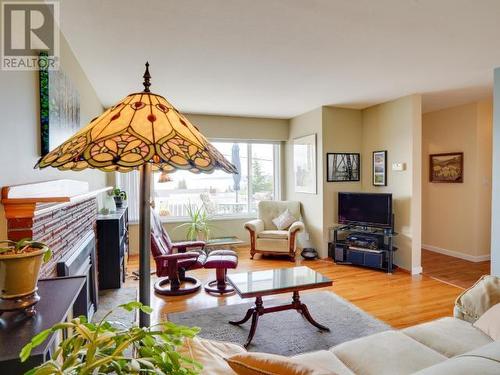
x=19, y=273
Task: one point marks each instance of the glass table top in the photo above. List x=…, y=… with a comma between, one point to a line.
x=249, y=284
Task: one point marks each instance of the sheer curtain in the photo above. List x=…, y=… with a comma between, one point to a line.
x=129, y=182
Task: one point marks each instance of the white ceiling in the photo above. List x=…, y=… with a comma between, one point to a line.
x=281, y=58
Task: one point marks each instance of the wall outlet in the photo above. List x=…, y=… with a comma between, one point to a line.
x=398, y=166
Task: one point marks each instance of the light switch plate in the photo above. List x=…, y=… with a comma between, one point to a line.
x=398, y=166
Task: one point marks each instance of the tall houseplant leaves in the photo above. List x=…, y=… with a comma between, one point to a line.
x=199, y=223
x=103, y=348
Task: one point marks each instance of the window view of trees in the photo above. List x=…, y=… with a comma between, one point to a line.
x=219, y=193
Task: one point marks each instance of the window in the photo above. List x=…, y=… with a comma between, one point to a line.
x=222, y=194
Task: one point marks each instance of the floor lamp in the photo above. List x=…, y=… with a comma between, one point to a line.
x=143, y=131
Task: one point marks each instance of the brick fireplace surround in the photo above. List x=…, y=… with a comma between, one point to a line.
x=58, y=213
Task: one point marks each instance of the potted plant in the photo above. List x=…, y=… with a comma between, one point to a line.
x=199, y=226
x=119, y=196
x=107, y=347
x=20, y=264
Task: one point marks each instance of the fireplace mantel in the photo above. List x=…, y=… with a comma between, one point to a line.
x=58, y=213
x=29, y=200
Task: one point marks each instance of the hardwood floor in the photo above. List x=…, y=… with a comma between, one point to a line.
x=399, y=299
x=459, y=272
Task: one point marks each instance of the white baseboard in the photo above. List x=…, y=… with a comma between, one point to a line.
x=416, y=270
x=456, y=254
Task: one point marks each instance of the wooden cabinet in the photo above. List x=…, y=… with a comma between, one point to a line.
x=112, y=248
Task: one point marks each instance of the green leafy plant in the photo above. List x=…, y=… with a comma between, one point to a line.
x=24, y=246
x=105, y=348
x=199, y=224
x=119, y=193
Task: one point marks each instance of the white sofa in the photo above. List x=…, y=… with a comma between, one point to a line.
x=447, y=346
x=265, y=238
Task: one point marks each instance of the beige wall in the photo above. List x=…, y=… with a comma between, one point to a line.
x=312, y=204
x=19, y=106
x=248, y=128
x=342, y=132
x=396, y=127
x=456, y=218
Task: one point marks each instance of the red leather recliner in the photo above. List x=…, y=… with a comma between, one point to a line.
x=173, y=259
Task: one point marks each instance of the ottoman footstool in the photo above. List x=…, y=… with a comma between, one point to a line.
x=221, y=260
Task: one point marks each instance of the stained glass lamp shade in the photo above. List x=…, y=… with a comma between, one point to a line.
x=143, y=131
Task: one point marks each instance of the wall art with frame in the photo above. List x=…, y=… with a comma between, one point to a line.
x=446, y=168
x=59, y=106
x=342, y=167
x=379, y=166
x=304, y=164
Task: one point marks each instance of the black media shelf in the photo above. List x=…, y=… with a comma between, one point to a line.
x=378, y=257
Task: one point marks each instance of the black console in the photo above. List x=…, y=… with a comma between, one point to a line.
x=364, y=246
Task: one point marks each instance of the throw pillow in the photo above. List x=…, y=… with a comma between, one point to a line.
x=489, y=322
x=283, y=221
x=268, y=364
x=474, y=302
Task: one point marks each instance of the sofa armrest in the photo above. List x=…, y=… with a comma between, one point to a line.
x=255, y=226
x=296, y=227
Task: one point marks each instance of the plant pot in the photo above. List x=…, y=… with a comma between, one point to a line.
x=19, y=273
x=118, y=201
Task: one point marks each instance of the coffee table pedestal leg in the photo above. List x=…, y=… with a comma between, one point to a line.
x=259, y=310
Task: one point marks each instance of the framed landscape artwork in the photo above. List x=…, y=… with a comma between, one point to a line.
x=342, y=167
x=304, y=164
x=380, y=168
x=447, y=168
x=59, y=107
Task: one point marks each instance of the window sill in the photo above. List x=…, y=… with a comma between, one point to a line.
x=178, y=220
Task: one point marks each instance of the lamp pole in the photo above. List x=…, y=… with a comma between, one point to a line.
x=145, y=242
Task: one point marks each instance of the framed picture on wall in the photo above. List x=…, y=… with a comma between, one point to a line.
x=304, y=164
x=447, y=168
x=342, y=167
x=59, y=106
x=380, y=168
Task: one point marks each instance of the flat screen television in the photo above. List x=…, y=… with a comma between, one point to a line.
x=366, y=209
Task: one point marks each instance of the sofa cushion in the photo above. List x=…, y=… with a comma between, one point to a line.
x=270, y=364
x=475, y=301
x=484, y=361
x=284, y=220
x=463, y=366
x=448, y=336
x=489, y=322
x=211, y=354
x=322, y=360
x=274, y=234
x=388, y=353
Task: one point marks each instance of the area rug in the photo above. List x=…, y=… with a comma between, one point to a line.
x=110, y=299
x=286, y=332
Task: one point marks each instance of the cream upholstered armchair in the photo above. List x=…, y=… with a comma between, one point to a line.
x=266, y=238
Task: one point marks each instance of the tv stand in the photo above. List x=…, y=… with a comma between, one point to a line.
x=375, y=248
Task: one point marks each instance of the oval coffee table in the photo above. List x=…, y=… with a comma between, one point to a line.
x=257, y=284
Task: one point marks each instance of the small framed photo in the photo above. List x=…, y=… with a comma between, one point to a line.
x=446, y=168
x=380, y=168
x=342, y=167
